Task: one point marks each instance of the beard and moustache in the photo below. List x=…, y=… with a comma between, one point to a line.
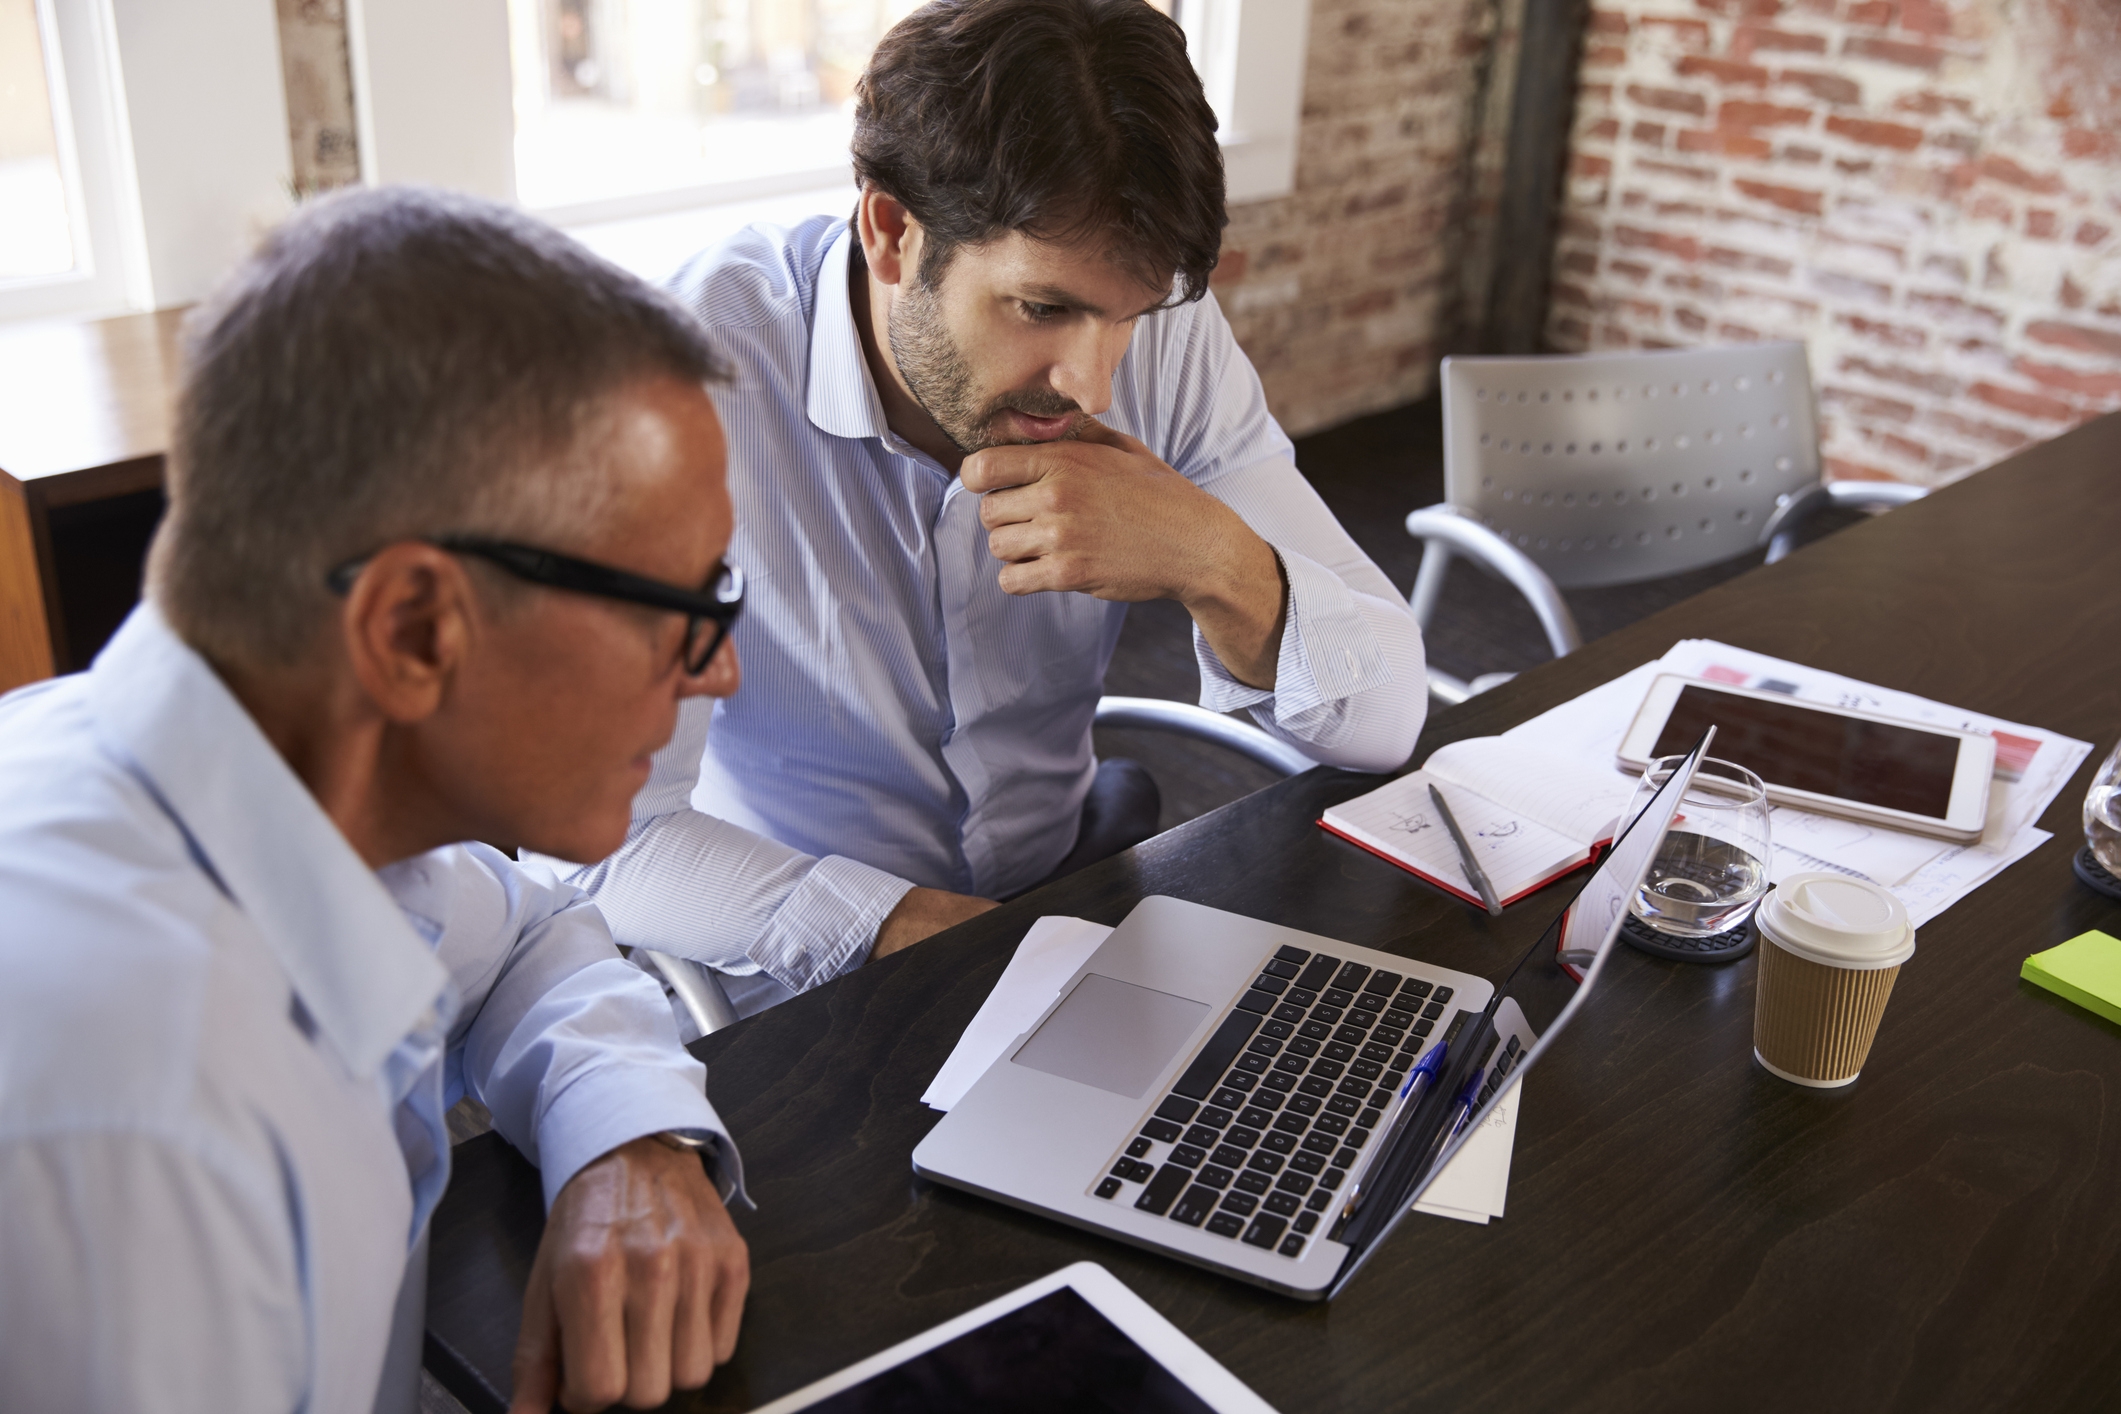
x=941, y=380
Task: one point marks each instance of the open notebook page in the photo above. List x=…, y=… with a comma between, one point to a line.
x=1573, y=798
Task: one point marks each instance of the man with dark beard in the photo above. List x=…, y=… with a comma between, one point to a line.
x=968, y=427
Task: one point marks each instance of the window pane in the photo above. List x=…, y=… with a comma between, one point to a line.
x=34, y=237
x=616, y=98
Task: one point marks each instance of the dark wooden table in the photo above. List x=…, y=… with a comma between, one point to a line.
x=84, y=423
x=1684, y=1231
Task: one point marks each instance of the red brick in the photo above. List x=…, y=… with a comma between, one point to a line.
x=2071, y=294
x=1669, y=100
x=1998, y=168
x=1751, y=39
x=1834, y=282
x=1734, y=144
x=1373, y=302
x=1797, y=199
x=1874, y=134
x=1952, y=309
x=1875, y=13
x=1633, y=270
x=1921, y=380
x=1906, y=448
x=1741, y=113
x=1880, y=331
x=2008, y=438
x=1843, y=469
x=1925, y=17
x=1737, y=334
x=2074, y=336
x=1929, y=105
x=1573, y=331
x=2106, y=387
x=2034, y=405
x=1893, y=51
x=1955, y=140
x=1801, y=156
x=1748, y=260
x=1827, y=88
x=1722, y=71
x=2084, y=142
x=1863, y=404
x=1230, y=268
x=1579, y=228
x=1579, y=262
x=1604, y=56
x=1693, y=285
x=2091, y=233
x=1608, y=22
x=1647, y=134
x=1742, y=9
x=1990, y=207
x=1690, y=320
x=1685, y=247
x=1687, y=34
x=1686, y=211
x=1704, y=175
x=1585, y=164
x=1604, y=130
x=2043, y=225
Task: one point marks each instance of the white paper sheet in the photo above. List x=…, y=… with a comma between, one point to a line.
x=1472, y=1186
x=1048, y=956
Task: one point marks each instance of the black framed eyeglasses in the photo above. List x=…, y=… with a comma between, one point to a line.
x=718, y=603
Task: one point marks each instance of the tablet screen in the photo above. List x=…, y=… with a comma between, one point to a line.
x=1790, y=745
x=1058, y=1354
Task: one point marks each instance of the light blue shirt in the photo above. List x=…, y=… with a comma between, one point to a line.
x=902, y=720
x=227, y=1045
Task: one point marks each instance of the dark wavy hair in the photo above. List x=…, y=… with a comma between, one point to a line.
x=1067, y=120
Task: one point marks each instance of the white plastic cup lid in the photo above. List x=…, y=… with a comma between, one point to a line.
x=1838, y=921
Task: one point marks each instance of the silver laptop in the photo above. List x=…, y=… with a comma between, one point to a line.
x=1263, y=1102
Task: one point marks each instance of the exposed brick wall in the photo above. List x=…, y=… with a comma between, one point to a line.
x=1346, y=292
x=1926, y=191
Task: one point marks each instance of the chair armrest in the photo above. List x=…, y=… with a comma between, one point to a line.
x=1451, y=528
x=1788, y=522
x=697, y=987
x=1186, y=719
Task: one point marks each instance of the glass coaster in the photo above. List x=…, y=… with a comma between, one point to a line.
x=2094, y=874
x=1717, y=947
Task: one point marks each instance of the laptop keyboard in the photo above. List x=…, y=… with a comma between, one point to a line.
x=1264, y=1126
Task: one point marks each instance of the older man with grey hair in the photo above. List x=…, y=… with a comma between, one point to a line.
x=444, y=555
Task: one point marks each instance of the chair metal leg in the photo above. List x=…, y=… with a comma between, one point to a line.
x=697, y=987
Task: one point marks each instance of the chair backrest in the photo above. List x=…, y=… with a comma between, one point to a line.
x=1612, y=467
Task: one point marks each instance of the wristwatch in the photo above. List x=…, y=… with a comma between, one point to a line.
x=704, y=1142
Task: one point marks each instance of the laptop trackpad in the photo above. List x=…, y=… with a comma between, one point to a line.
x=1113, y=1035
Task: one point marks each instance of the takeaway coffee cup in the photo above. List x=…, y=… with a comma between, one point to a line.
x=1832, y=948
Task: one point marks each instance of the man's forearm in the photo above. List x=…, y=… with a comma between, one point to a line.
x=1244, y=608
x=923, y=913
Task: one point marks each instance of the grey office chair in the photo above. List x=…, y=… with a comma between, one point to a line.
x=699, y=989
x=1610, y=468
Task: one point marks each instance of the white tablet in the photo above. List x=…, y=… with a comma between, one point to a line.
x=1857, y=765
x=1075, y=1340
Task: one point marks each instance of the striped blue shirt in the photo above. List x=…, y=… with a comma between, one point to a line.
x=902, y=720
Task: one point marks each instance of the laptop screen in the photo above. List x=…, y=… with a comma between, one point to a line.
x=1484, y=1055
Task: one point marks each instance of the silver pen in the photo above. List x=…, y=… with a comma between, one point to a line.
x=1465, y=853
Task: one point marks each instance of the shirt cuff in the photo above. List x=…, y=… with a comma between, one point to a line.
x=613, y=1105
x=828, y=924
x=1328, y=653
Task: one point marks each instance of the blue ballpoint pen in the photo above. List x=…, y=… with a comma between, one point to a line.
x=1417, y=1084
x=1461, y=1112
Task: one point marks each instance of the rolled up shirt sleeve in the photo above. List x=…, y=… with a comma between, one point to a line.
x=698, y=887
x=1350, y=684
x=573, y=1050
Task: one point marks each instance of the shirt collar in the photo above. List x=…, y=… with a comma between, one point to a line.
x=841, y=398
x=362, y=972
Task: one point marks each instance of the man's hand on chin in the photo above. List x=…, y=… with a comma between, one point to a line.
x=1103, y=515
x=637, y=1288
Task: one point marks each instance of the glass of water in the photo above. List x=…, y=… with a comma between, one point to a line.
x=2102, y=814
x=1713, y=867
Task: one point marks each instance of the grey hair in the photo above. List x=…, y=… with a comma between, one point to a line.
x=391, y=364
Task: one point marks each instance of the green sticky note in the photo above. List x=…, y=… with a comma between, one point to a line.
x=2086, y=969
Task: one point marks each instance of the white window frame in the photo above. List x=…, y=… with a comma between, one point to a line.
x=173, y=177
x=434, y=93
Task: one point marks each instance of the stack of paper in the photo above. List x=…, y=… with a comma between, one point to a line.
x=1471, y=1187
x=1928, y=875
